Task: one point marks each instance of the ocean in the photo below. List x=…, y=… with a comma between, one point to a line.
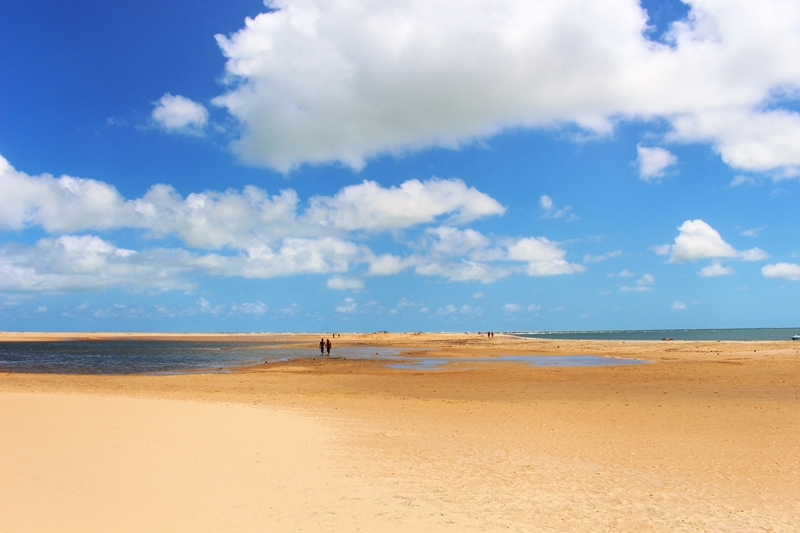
x=743, y=334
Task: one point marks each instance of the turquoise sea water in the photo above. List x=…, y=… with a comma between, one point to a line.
x=744, y=334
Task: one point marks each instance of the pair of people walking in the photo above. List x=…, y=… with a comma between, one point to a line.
x=324, y=345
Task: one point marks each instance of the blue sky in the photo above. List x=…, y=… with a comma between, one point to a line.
x=361, y=166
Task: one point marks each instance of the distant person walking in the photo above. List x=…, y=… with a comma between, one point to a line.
x=322, y=347
x=328, y=346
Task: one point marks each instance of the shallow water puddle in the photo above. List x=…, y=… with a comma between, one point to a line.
x=438, y=363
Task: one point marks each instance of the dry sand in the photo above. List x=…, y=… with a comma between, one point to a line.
x=705, y=439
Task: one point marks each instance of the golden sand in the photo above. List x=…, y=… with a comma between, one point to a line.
x=705, y=439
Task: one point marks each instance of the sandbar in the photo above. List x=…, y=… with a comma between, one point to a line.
x=707, y=438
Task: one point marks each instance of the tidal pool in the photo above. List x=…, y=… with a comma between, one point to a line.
x=438, y=363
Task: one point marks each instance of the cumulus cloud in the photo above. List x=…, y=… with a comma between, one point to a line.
x=698, y=240
x=716, y=269
x=252, y=234
x=236, y=219
x=348, y=306
x=653, y=162
x=343, y=283
x=551, y=210
x=62, y=204
x=643, y=284
x=789, y=271
x=387, y=265
x=448, y=240
x=85, y=263
x=371, y=207
x=249, y=308
x=177, y=113
x=511, y=308
x=293, y=256
x=662, y=249
x=679, y=306
x=589, y=258
x=463, y=271
x=463, y=310
x=742, y=180
x=544, y=257
x=752, y=232
x=316, y=81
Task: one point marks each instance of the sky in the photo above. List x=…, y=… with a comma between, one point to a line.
x=322, y=165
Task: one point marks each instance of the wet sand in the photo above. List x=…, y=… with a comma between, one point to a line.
x=707, y=438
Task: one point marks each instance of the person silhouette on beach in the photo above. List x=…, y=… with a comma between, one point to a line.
x=322, y=347
x=328, y=346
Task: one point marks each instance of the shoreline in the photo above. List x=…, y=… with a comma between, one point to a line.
x=461, y=345
x=707, y=439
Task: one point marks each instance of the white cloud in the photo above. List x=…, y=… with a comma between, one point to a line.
x=464, y=271
x=249, y=308
x=662, y=249
x=511, y=308
x=349, y=306
x=551, y=211
x=753, y=254
x=653, y=162
x=403, y=302
x=625, y=273
x=552, y=268
x=446, y=240
x=535, y=249
x=698, y=240
x=789, y=271
x=643, y=284
x=679, y=306
x=252, y=234
x=544, y=257
x=343, y=283
x=237, y=219
x=387, y=265
x=318, y=81
x=294, y=256
x=742, y=180
x=84, y=263
x=58, y=204
x=463, y=310
x=534, y=307
x=369, y=206
x=716, y=269
x=478, y=294
x=752, y=232
x=747, y=138
x=179, y=114
x=589, y=258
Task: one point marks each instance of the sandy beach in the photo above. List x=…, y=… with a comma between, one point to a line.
x=704, y=438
